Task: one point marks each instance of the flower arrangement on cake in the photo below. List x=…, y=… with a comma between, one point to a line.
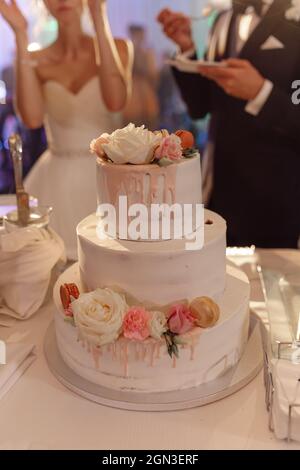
x=104, y=315
x=139, y=146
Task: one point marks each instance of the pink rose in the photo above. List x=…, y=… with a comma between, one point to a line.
x=170, y=148
x=180, y=319
x=135, y=324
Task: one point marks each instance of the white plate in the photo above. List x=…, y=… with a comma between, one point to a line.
x=192, y=66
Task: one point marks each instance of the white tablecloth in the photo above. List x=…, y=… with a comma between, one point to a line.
x=39, y=413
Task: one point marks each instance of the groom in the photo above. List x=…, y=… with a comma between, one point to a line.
x=254, y=134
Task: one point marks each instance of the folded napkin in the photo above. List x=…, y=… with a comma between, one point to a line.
x=19, y=357
x=27, y=258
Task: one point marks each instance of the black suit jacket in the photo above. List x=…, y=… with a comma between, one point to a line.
x=256, y=158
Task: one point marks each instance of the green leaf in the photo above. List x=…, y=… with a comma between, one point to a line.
x=165, y=162
x=190, y=153
x=70, y=320
x=175, y=350
x=172, y=347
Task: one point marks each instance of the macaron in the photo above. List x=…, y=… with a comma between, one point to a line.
x=66, y=292
x=187, y=139
x=205, y=311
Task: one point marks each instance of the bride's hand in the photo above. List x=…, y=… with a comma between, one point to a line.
x=95, y=7
x=13, y=15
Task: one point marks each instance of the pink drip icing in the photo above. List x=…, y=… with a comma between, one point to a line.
x=166, y=189
x=174, y=362
x=114, y=352
x=139, y=187
x=132, y=182
x=158, y=351
x=192, y=352
x=96, y=353
x=118, y=353
x=194, y=339
x=152, y=352
x=144, y=352
x=192, y=349
x=137, y=355
x=153, y=188
x=170, y=184
x=125, y=359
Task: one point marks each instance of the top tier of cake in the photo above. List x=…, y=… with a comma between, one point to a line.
x=156, y=170
x=178, y=183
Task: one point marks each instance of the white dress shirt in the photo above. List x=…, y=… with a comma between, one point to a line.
x=248, y=22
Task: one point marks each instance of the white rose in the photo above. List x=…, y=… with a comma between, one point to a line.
x=157, y=324
x=129, y=145
x=99, y=316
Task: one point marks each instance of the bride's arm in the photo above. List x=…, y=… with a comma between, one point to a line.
x=115, y=59
x=28, y=90
x=29, y=98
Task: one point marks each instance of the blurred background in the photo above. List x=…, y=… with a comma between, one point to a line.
x=155, y=102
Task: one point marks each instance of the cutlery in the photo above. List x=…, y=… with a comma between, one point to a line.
x=16, y=151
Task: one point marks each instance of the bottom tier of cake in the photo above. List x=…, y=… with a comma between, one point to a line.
x=204, y=354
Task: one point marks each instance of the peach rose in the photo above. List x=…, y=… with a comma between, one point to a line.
x=96, y=146
x=170, y=148
x=180, y=319
x=136, y=324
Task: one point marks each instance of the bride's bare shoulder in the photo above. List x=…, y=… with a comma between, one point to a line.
x=43, y=62
x=41, y=55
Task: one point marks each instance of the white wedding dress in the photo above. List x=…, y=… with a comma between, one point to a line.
x=64, y=177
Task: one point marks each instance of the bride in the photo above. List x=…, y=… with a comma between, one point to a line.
x=76, y=87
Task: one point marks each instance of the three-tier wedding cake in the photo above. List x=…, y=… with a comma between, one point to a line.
x=152, y=305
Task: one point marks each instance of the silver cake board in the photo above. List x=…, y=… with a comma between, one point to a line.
x=233, y=380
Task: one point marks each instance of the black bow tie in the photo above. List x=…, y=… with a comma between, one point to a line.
x=240, y=6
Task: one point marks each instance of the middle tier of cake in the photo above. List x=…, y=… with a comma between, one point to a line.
x=155, y=273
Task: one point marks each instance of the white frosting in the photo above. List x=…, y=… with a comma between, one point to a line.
x=158, y=272
x=146, y=367
x=178, y=183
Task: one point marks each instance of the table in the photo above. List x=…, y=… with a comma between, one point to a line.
x=39, y=413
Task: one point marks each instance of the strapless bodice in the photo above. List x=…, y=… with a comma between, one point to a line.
x=73, y=120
